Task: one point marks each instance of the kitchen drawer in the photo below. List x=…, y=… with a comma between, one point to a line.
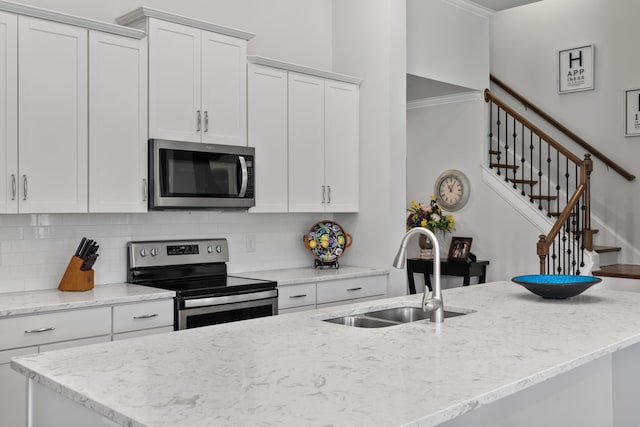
x=142, y=315
x=296, y=296
x=44, y=328
x=349, y=289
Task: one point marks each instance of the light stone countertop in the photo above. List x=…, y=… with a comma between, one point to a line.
x=294, y=369
x=294, y=276
x=32, y=302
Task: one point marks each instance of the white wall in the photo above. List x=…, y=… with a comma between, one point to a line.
x=35, y=249
x=448, y=43
x=448, y=133
x=524, y=46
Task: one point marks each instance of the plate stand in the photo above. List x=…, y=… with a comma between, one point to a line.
x=322, y=264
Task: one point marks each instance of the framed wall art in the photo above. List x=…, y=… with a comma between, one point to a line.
x=632, y=112
x=576, y=69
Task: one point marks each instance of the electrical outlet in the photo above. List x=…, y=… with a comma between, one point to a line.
x=250, y=242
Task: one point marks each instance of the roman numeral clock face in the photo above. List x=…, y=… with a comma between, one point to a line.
x=452, y=190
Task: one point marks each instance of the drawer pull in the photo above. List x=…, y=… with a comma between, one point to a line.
x=354, y=289
x=35, y=331
x=145, y=316
x=298, y=296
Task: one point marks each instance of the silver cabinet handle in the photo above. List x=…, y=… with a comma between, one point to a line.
x=206, y=121
x=329, y=194
x=323, y=194
x=145, y=190
x=354, y=289
x=297, y=296
x=13, y=186
x=198, y=120
x=35, y=331
x=24, y=187
x=145, y=316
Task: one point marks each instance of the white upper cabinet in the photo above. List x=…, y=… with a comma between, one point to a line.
x=117, y=123
x=341, y=147
x=52, y=117
x=307, y=190
x=8, y=113
x=267, y=132
x=304, y=124
x=197, y=84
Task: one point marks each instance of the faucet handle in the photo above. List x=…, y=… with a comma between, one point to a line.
x=431, y=304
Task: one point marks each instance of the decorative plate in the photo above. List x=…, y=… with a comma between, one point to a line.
x=556, y=286
x=327, y=241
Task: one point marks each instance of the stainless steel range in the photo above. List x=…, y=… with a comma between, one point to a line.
x=197, y=271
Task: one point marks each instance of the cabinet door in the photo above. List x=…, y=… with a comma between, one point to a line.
x=13, y=389
x=8, y=113
x=224, y=89
x=306, y=144
x=341, y=145
x=52, y=117
x=174, y=81
x=117, y=123
x=267, y=123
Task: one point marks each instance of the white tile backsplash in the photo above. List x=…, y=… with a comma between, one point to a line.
x=35, y=249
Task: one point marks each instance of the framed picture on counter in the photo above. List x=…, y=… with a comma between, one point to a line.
x=459, y=249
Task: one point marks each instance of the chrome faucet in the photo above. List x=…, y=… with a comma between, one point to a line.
x=434, y=305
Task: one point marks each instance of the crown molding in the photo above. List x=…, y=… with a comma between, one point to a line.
x=443, y=100
x=274, y=63
x=142, y=13
x=91, y=24
x=471, y=7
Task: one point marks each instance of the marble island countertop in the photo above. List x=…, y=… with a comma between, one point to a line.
x=295, y=369
x=32, y=302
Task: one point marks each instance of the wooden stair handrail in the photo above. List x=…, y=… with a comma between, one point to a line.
x=488, y=96
x=584, y=144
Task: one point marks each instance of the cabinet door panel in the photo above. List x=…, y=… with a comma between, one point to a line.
x=8, y=113
x=342, y=146
x=267, y=122
x=52, y=118
x=117, y=123
x=13, y=389
x=224, y=89
x=351, y=289
x=174, y=81
x=306, y=143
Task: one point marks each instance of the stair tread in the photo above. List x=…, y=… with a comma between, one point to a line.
x=504, y=166
x=603, y=249
x=523, y=181
x=626, y=271
x=542, y=197
x=558, y=213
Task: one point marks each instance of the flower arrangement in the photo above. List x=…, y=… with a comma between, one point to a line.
x=429, y=216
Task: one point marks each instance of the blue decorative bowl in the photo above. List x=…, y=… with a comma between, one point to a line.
x=556, y=286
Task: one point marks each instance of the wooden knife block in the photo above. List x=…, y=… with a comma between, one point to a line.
x=75, y=279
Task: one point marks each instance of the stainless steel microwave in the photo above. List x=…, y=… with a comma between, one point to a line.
x=187, y=175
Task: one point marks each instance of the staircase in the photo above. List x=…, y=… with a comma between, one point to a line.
x=557, y=183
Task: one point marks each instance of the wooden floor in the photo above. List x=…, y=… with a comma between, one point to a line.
x=625, y=271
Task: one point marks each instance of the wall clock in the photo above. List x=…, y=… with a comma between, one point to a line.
x=452, y=190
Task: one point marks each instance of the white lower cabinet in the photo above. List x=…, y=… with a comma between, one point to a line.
x=28, y=334
x=308, y=296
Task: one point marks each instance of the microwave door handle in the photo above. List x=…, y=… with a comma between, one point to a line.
x=245, y=176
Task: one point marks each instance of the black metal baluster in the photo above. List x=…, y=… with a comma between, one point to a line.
x=491, y=106
x=515, y=145
x=498, y=123
x=522, y=159
x=506, y=146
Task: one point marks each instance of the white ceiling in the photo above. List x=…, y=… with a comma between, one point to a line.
x=498, y=5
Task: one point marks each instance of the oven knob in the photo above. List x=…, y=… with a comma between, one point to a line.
x=218, y=248
x=154, y=252
x=210, y=249
x=144, y=252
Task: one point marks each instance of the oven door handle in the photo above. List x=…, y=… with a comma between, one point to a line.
x=228, y=299
x=245, y=176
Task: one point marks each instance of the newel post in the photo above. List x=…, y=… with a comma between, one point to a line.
x=587, y=238
x=543, y=252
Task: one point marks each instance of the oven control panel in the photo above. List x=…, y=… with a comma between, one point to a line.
x=176, y=252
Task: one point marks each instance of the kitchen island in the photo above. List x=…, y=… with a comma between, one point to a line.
x=516, y=359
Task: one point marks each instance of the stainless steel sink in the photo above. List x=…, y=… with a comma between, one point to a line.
x=388, y=317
